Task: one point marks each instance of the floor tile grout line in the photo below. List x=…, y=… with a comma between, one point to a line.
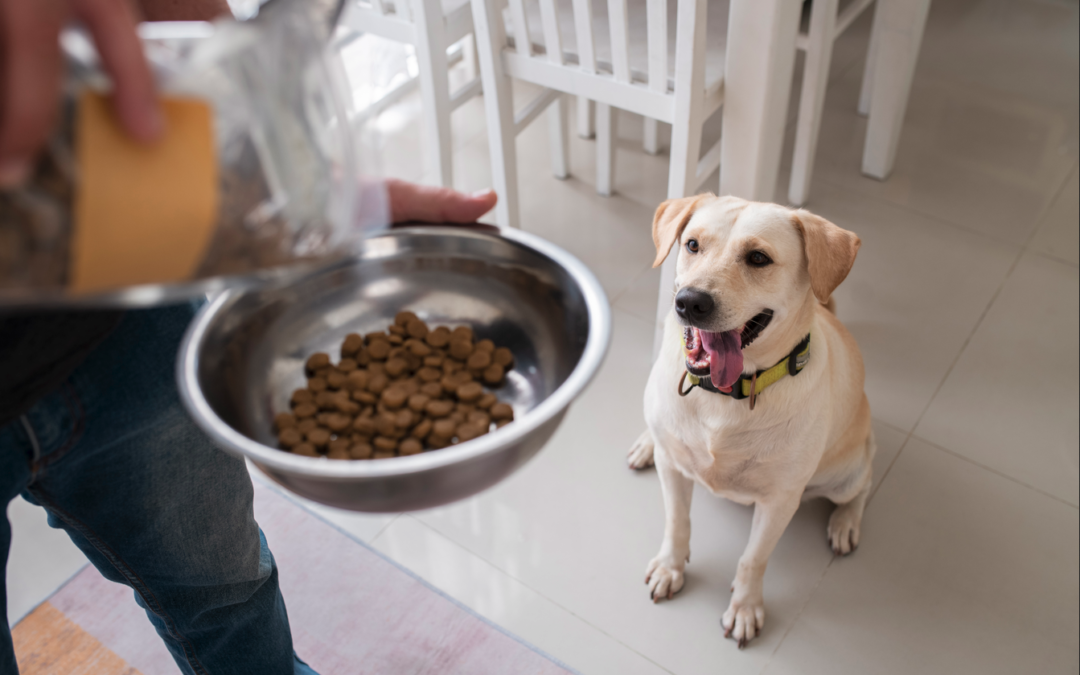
x=382, y=529
x=600, y=630
x=992, y=470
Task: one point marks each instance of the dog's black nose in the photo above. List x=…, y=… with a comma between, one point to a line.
x=693, y=305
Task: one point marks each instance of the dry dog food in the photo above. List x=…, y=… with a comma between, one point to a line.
x=397, y=393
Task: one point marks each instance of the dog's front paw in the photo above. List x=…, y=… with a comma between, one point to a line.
x=641, y=454
x=664, y=578
x=744, y=619
x=844, y=528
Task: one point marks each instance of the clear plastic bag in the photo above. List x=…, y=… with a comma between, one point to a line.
x=287, y=159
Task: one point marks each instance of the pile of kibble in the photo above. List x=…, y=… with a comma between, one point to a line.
x=397, y=393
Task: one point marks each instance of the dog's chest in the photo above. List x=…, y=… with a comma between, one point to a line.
x=740, y=454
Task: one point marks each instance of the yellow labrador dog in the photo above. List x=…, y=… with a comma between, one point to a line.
x=757, y=392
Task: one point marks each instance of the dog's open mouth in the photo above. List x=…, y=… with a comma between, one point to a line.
x=719, y=355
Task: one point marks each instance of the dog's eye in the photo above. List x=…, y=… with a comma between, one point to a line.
x=692, y=245
x=758, y=259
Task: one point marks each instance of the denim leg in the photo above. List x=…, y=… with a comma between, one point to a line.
x=14, y=476
x=155, y=506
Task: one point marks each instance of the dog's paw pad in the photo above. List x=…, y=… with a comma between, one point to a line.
x=664, y=580
x=743, y=621
x=844, y=529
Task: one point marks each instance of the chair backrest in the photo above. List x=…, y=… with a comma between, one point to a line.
x=546, y=36
x=400, y=8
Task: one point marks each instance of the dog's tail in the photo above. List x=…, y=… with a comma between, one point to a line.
x=831, y=305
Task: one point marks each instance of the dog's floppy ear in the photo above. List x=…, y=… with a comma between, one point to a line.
x=668, y=223
x=830, y=252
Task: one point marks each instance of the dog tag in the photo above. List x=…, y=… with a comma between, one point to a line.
x=144, y=213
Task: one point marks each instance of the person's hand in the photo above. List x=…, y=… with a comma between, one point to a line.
x=31, y=68
x=411, y=202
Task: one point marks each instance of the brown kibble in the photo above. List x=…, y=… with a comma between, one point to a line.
x=461, y=333
x=338, y=422
x=316, y=384
x=340, y=445
x=436, y=442
x=420, y=349
x=326, y=400
x=450, y=366
x=423, y=429
x=410, y=446
x=379, y=349
x=417, y=329
x=343, y=405
x=372, y=338
x=428, y=374
x=335, y=380
x=323, y=372
x=351, y=344
x=396, y=330
x=365, y=397
x=410, y=386
x=284, y=421
x=362, y=357
x=404, y=419
x=504, y=357
x=479, y=360
x=457, y=416
x=418, y=401
x=377, y=383
x=502, y=411
x=469, y=431
x=385, y=443
x=357, y=379
x=433, y=361
x=306, y=450
x=289, y=437
x=346, y=366
x=394, y=397
x=439, y=408
x=305, y=410
x=502, y=423
x=480, y=419
x=494, y=374
x=302, y=396
x=396, y=366
x=338, y=453
x=316, y=361
x=486, y=401
x=360, y=451
x=375, y=368
x=470, y=391
x=440, y=337
x=432, y=389
x=461, y=349
x=464, y=407
x=385, y=424
x=396, y=340
x=404, y=317
x=318, y=437
x=445, y=428
x=485, y=346
x=383, y=454
x=364, y=426
x=306, y=425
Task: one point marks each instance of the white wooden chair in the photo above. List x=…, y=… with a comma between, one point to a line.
x=432, y=27
x=563, y=56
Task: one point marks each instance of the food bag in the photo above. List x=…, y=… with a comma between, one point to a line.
x=255, y=179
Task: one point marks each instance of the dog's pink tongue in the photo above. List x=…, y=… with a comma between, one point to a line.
x=725, y=357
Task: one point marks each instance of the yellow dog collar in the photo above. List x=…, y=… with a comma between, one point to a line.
x=749, y=386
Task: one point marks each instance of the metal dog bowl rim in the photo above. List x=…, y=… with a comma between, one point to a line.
x=272, y=459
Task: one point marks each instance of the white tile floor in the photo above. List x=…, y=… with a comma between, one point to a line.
x=964, y=301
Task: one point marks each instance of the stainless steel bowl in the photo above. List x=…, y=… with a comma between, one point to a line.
x=245, y=352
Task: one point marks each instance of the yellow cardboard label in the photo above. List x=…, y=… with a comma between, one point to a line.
x=144, y=213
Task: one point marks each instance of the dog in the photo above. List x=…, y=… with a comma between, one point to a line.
x=757, y=391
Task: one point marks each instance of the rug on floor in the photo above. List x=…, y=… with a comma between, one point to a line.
x=351, y=609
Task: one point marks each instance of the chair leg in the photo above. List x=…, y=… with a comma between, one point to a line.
x=558, y=138
x=902, y=24
x=871, y=63
x=605, y=150
x=652, y=136
x=585, y=127
x=435, y=90
x=812, y=99
x=499, y=109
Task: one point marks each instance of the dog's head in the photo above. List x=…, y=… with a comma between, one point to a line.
x=747, y=273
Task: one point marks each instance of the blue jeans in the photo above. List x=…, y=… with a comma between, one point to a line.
x=114, y=459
